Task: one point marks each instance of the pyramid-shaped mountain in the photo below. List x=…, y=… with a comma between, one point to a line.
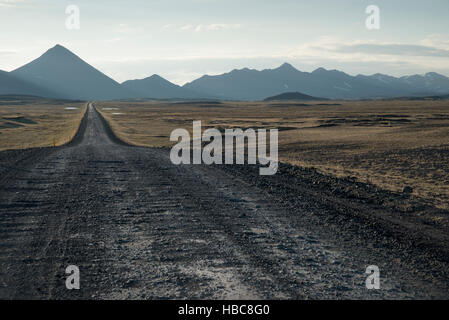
x=61, y=71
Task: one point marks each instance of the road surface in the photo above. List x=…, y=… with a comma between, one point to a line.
x=139, y=227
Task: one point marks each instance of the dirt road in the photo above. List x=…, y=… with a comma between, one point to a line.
x=139, y=227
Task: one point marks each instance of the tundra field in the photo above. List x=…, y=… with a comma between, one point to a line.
x=27, y=122
x=140, y=227
x=391, y=144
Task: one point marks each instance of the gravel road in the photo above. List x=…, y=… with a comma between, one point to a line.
x=139, y=227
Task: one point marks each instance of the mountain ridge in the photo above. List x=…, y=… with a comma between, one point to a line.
x=250, y=84
x=60, y=73
x=156, y=87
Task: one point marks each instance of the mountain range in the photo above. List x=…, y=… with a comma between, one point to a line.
x=248, y=84
x=59, y=73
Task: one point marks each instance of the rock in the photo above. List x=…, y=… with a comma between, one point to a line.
x=130, y=283
x=407, y=189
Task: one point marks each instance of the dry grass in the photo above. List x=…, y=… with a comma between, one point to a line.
x=388, y=143
x=31, y=122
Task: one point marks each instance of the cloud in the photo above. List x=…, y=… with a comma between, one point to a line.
x=436, y=40
x=124, y=28
x=370, y=56
x=10, y=3
x=168, y=26
x=5, y=53
x=113, y=40
x=203, y=27
x=394, y=49
x=330, y=48
x=216, y=26
x=337, y=48
x=186, y=27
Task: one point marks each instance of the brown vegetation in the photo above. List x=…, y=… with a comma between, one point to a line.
x=392, y=144
x=31, y=123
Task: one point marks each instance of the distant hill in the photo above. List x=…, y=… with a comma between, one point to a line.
x=11, y=85
x=59, y=70
x=249, y=84
x=442, y=97
x=292, y=96
x=159, y=88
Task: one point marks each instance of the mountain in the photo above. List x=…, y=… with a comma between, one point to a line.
x=249, y=84
x=417, y=85
x=158, y=88
x=387, y=82
x=430, y=82
x=292, y=96
x=60, y=73
x=59, y=70
x=11, y=85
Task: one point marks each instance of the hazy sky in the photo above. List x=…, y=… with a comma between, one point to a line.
x=181, y=40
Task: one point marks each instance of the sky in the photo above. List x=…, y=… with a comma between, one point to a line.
x=185, y=39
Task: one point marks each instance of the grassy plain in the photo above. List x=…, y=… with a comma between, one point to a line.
x=391, y=144
x=27, y=122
